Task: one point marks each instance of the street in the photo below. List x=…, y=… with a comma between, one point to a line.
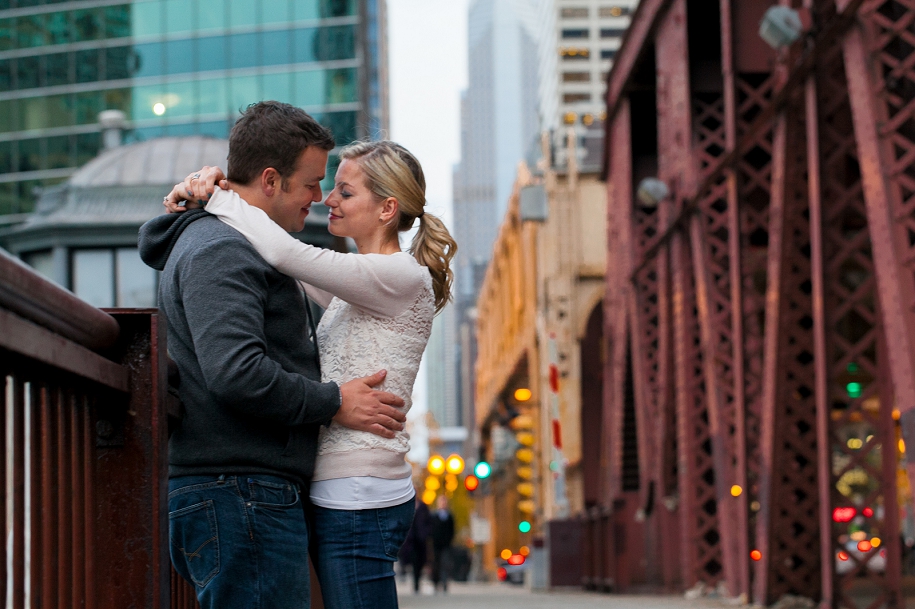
x=504, y=596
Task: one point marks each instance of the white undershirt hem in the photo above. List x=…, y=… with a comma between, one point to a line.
x=361, y=493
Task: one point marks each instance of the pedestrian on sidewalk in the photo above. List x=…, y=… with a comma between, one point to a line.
x=442, y=536
x=415, y=549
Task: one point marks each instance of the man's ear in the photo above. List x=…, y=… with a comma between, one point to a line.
x=270, y=181
x=389, y=209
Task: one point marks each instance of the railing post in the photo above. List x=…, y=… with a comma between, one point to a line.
x=129, y=481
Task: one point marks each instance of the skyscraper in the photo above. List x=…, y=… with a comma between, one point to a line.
x=499, y=125
x=579, y=39
x=175, y=67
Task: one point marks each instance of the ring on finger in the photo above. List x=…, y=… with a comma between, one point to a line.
x=195, y=176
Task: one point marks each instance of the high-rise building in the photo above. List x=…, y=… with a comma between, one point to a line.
x=579, y=39
x=499, y=126
x=175, y=67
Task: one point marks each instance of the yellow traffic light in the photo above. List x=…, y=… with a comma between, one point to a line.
x=525, y=455
x=525, y=473
x=527, y=506
x=451, y=483
x=523, y=394
x=454, y=464
x=526, y=489
x=522, y=422
x=433, y=483
x=436, y=465
x=525, y=438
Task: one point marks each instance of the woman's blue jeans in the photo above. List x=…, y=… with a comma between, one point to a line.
x=242, y=541
x=354, y=554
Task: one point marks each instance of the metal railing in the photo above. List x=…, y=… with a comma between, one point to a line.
x=84, y=433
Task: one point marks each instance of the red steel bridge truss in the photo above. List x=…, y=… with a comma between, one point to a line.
x=764, y=312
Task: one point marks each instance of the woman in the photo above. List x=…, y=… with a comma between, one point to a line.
x=379, y=309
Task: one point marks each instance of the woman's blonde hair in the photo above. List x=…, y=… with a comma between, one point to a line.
x=391, y=171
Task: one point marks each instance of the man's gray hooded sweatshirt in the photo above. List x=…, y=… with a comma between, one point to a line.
x=239, y=332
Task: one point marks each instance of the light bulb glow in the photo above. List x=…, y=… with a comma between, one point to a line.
x=523, y=394
x=158, y=108
x=454, y=464
x=436, y=465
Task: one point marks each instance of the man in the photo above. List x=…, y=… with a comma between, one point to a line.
x=242, y=338
x=442, y=536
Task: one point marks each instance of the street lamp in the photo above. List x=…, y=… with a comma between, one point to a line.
x=652, y=191
x=781, y=26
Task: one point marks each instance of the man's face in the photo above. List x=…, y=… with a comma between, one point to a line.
x=292, y=200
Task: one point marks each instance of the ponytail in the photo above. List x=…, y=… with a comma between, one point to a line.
x=433, y=247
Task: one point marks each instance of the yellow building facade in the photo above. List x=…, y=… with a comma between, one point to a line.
x=539, y=328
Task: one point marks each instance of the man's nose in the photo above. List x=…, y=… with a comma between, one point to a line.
x=318, y=195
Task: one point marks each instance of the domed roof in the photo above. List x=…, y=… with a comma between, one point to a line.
x=157, y=162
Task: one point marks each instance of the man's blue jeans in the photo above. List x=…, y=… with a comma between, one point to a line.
x=355, y=551
x=242, y=541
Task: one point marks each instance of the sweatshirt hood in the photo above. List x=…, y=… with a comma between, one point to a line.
x=159, y=235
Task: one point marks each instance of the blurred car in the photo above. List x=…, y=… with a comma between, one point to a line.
x=876, y=562
x=513, y=574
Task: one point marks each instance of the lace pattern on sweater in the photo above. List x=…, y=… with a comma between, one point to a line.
x=354, y=344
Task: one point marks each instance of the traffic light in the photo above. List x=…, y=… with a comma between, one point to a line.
x=436, y=465
x=454, y=464
x=482, y=470
x=471, y=483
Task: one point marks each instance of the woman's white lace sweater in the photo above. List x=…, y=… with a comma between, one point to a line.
x=379, y=316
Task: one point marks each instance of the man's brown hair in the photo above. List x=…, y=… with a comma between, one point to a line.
x=272, y=134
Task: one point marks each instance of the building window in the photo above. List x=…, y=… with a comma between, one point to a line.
x=112, y=278
x=613, y=11
x=574, y=98
x=575, y=33
x=573, y=53
x=42, y=261
x=612, y=32
x=608, y=53
x=576, y=77
x=574, y=13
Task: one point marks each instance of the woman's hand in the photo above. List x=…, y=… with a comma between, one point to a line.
x=196, y=190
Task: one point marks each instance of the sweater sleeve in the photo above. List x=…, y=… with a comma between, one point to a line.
x=224, y=288
x=378, y=284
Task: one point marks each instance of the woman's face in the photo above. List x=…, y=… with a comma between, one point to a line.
x=354, y=209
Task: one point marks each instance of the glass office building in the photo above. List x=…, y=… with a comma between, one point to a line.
x=175, y=67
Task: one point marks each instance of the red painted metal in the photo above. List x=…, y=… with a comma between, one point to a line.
x=774, y=308
x=616, y=307
x=28, y=294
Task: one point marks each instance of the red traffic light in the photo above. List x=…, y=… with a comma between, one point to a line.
x=516, y=559
x=471, y=482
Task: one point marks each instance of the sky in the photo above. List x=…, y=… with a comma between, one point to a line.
x=427, y=42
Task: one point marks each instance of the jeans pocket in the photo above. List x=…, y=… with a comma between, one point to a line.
x=194, y=538
x=272, y=494
x=394, y=523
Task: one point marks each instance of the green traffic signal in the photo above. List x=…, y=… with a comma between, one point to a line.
x=524, y=526
x=482, y=470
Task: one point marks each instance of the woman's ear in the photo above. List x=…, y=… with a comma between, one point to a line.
x=389, y=209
